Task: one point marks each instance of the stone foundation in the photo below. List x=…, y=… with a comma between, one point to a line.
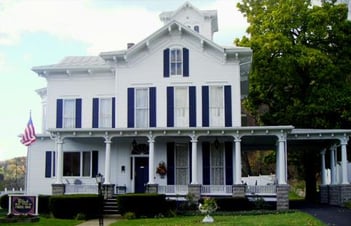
x=338, y=194
x=324, y=196
x=238, y=190
x=195, y=189
x=152, y=188
x=108, y=190
x=58, y=189
x=283, y=196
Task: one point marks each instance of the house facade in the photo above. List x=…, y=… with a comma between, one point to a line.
x=164, y=115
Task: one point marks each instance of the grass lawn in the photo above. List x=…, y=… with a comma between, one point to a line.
x=291, y=219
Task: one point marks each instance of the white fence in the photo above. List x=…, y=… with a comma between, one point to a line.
x=12, y=191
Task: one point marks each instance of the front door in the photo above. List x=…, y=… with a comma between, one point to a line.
x=141, y=176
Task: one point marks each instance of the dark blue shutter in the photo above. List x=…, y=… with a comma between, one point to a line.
x=228, y=163
x=53, y=164
x=95, y=163
x=170, y=163
x=170, y=106
x=228, y=106
x=48, y=163
x=95, y=112
x=192, y=106
x=152, y=97
x=78, y=113
x=185, y=62
x=59, y=113
x=166, y=63
x=130, y=107
x=113, y=112
x=205, y=107
x=206, y=163
x=190, y=162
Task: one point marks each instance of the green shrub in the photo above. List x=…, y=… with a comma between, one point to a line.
x=44, y=204
x=69, y=206
x=4, y=201
x=129, y=215
x=148, y=205
x=233, y=204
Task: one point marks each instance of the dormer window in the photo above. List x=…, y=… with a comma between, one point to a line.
x=197, y=28
x=176, y=62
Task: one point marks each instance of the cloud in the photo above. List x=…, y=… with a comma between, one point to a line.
x=101, y=28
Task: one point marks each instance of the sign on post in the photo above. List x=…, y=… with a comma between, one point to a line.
x=23, y=205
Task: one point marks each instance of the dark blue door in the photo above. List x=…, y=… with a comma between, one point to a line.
x=141, y=176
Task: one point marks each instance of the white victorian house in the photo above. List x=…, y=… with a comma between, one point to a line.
x=173, y=98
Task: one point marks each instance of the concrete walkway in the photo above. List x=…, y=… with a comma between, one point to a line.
x=108, y=220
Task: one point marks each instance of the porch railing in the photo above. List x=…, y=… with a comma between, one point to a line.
x=261, y=189
x=173, y=189
x=81, y=189
x=216, y=189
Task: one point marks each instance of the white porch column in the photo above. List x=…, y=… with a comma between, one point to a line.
x=194, y=160
x=282, y=160
x=237, y=173
x=59, y=168
x=107, y=160
x=343, y=143
x=151, y=160
x=324, y=179
x=332, y=165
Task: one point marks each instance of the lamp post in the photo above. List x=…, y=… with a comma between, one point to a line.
x=99, y=180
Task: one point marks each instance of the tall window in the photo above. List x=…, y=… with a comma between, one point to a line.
x=181, y=164
x=141, y=107
x=105, y=113
x=181, y=107
x=69, y=113
x=176, y=63
x=77, y=164
x=216, y=106
x=217, y=165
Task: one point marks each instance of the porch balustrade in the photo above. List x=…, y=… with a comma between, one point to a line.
x=173, y=189
x=81, y=189
x=261, y=189
x=216, y=189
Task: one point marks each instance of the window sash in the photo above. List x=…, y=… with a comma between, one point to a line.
x=105, y=113
x=216, y=105
x=181, y=106
x=142, y=107
x=217, y=165
x=69, y=113
x=77, y=164
x=176, y=61
x=181, y=164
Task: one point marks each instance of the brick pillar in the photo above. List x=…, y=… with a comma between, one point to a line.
x=58, y=189
x=334, y=195
x=195, y=189
x=239, y=190
x=151, y=188
x=108, y=190
x=345, y=193
x=283, y=196
x=324, y=194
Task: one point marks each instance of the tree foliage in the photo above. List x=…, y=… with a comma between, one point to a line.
x=301, y=70
x=301, y=63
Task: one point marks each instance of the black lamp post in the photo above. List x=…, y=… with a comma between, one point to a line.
x=99, y=180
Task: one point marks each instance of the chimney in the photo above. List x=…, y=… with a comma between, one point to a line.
x=129, y=45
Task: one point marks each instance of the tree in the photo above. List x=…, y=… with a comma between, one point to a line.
x=301, y=70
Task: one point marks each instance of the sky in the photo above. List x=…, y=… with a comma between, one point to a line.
x=43, y=32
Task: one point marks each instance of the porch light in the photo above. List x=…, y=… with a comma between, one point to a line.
x=99, y=180
x=216, y=143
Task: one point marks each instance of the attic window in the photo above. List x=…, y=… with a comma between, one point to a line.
x=197, y=28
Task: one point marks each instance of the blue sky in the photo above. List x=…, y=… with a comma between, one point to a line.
x=42, y=32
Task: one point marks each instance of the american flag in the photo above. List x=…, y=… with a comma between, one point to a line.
x=29, y=133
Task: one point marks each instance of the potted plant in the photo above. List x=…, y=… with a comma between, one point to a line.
x=161, y=169
x=208, y=206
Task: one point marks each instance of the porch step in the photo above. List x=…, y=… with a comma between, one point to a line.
x=111, y=206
